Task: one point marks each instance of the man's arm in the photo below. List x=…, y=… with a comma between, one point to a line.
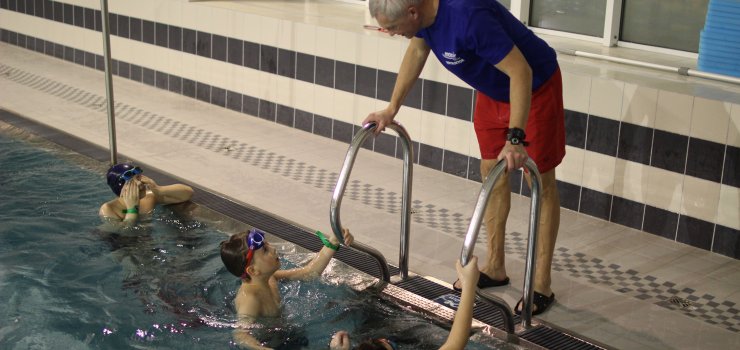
x=520, y=97
x=411, y=66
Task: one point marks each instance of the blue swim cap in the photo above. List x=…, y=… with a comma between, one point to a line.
x=115, y=178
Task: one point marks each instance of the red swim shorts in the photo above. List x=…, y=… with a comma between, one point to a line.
x=545, y=127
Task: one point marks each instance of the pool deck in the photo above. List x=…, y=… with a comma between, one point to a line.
x=613, y=283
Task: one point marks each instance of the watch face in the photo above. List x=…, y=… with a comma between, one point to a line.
x=514, y=141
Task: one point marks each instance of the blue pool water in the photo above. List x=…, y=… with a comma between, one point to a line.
x=67, y=283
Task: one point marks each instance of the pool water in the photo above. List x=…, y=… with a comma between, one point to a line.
x=68, y=282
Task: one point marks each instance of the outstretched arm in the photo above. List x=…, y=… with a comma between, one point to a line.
x=318, y=264
x=169, y=194
x=460, y=331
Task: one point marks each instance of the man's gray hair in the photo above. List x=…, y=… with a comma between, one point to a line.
x=391, y=9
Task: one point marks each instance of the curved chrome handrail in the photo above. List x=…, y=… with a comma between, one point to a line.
x=534, y=214
x=336, y=200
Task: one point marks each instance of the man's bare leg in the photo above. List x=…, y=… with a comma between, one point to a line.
x=497, y=212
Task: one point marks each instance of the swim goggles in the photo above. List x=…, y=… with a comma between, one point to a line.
x=129, y=174
x=254, y=240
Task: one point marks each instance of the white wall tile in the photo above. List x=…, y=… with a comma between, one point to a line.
x=389, y=54
x=410, y=118
x=346, y=46
x=733, y=130
x=194, y=16
x=165, y=12
x=606, y=98
x=674, y=112
x=709, y=120
x=639, y=105
x=598, y=172
x=631, y=180
x=344, y=106
x=268, y=30
x=284, y=91
x=433, y=70
x=362, y=106
x=305, y=38
x=432, y=129
x=368, y=50
x=326, y=96
x=454, y=80
x=473, y=146
x=571, y=169
x=576, y=92
x=326, y=42
x=219, y=21
x=700, y=198
x=251, y=28
x=303, y=97
x=729, y=201
x=456, y=135
x=285, y=38
x=664, y=189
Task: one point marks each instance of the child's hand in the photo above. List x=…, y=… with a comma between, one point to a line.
x=340, y=341
x=348, y=238
x=470, y=273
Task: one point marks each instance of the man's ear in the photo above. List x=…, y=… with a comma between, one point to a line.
x=413, y=12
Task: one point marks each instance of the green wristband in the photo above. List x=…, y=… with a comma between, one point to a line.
x=134, y=210
x=326, y=241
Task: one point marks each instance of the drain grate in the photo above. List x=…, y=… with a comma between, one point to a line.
x=683, y=303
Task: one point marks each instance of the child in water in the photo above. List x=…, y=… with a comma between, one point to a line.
x=250, y=257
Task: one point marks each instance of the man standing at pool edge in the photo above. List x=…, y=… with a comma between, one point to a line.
x=519, y=103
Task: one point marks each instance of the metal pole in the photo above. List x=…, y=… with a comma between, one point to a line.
x=472, y=234
x=109, y=82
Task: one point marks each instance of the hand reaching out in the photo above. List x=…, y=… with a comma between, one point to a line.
x=340, y=341
x=381, y=118
x=348, y=238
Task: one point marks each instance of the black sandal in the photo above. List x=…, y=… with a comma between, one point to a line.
x=540, y=300
x=485, y=282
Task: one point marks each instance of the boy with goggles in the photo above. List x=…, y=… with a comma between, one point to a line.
x=255, y=261
x=136, y=193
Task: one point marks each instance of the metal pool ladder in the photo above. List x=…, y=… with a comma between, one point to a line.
x=534, y=214
x=336, y=200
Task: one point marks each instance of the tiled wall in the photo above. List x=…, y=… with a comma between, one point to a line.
x=655, y=160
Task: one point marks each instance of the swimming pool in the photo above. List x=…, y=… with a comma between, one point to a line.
x=69, y=283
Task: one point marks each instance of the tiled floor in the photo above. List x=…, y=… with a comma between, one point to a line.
x=613, y=284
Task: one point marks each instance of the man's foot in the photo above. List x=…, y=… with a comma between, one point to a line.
x=540, y=301
x=483, y=282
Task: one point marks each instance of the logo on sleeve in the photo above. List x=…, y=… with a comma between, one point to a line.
x=452, y=59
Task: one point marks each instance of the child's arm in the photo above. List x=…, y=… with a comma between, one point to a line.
x=169, y=194
x=460, y=331
x=319, y=263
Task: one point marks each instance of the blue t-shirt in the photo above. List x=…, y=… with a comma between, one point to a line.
x=470, y=36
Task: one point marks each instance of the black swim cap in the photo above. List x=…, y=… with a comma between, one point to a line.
x=115, y=181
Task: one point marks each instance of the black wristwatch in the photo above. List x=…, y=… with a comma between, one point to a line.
x=516, y=136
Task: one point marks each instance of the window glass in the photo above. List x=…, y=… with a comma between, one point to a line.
x=574, y=16
x=673, y=24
